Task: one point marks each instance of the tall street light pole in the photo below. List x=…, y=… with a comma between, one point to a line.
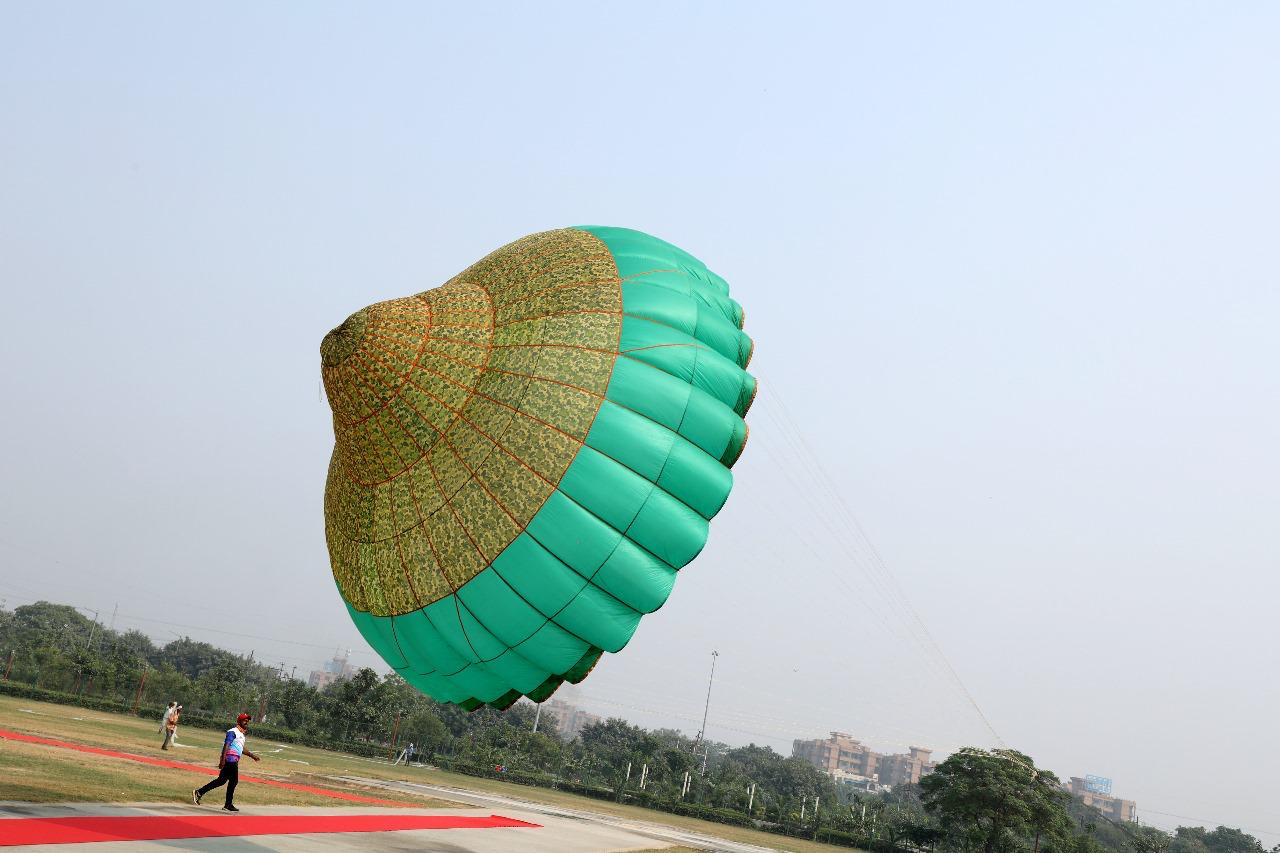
x=703, y=731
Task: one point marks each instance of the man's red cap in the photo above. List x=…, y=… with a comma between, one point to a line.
x=243, y=718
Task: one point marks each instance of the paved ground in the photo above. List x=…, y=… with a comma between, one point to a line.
x=657, y=834
x=559, y=831
x=553, y=836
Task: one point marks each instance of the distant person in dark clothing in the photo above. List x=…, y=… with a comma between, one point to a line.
x=229, y=763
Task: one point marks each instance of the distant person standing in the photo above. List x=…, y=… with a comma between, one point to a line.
x=170, y=727
x=164, y=718
x=229, y=763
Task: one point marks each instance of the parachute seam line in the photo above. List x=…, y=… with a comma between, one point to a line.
x=458, y=415
x=460, y=342
x=497, y=444
x=436, y=353
x=366, y=456
x=523, y=529
x=570, y=385
x=617, y=403
x=529, y=238
x=458, y=518
x=636, y=275
x=395, y=394
x=571, y=285
x=554, y=485
x=395, y=637
x=648, y=319
x=384, y=592
x=685, y=263
x=688, y=398
x=427, y=532
x=697, y=292
x=545, y=618
x=405, y=466
x=390, y=475
x=694, y=334
x=422, y=518
x=541, y=272
x=515, y=260
x=588, y=581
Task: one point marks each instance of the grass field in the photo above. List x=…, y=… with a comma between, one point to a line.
x=35, y=773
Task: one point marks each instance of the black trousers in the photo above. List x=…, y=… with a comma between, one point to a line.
x=229, y=775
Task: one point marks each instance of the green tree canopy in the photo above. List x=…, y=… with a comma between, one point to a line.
x=993, y=800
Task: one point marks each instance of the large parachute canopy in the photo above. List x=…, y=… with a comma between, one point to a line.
x=525, y=456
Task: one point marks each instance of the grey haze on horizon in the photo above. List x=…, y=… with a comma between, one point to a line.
x=1011, y=272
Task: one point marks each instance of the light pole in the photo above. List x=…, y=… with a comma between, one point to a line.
x=707, y=708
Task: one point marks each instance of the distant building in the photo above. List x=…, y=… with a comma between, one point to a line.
x=1089, y=792
x=570, y=719
x=906, y=769
x=845, y=779
x=337, y=669
x=848, y=761
x=838, y=752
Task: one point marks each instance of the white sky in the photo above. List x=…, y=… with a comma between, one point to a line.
x=1011, y=273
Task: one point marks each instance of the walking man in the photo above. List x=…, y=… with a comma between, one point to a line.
x=170, y=728
x=229, y=763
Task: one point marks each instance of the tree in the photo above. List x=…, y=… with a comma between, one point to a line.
x=1227, y=840
x=1148, y=839
x=995, y=799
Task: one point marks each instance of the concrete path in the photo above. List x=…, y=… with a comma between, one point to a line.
x=559, y=831
x=657, y=833
x=559, y=836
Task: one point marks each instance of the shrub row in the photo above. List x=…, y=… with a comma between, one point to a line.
x=193, y=719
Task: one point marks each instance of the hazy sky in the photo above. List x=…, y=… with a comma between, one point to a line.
x=1012, y=274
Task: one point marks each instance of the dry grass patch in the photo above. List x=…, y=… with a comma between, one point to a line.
x=44, y=774
x=304, y=765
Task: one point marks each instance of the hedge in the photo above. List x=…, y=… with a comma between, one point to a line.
x=191, y=719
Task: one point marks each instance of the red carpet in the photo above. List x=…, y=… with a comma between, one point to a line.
x=195, y=768
x=79, y=830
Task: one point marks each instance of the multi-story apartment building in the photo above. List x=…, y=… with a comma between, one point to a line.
x=1113, y=807
x=841, y=751
x=906, y=768
x=843, y=755
x=570, y=719
x=337, y=669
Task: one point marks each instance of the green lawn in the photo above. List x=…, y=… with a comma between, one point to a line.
x=34, y=773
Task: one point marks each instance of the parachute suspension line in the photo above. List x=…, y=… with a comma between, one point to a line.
x=886, y=581
x=782, y=726
x=819, y=510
